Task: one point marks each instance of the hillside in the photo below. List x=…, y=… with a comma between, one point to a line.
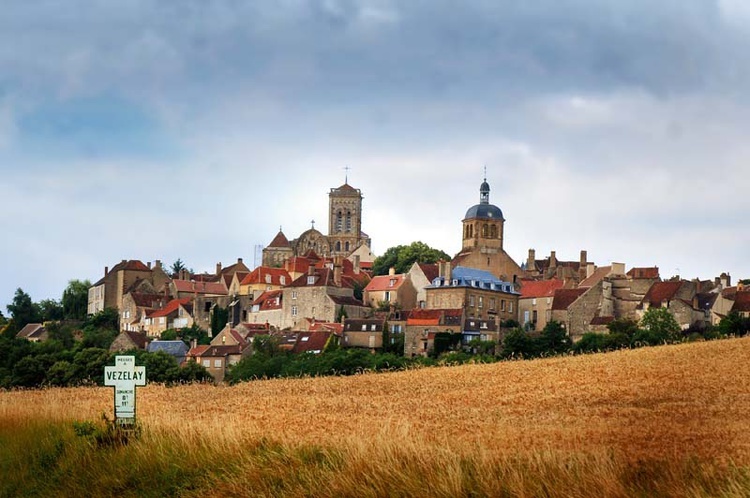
x=682, y=403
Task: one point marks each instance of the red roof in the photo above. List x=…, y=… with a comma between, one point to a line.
x=217, y=288
x=148, y=300
x=596, y=277
x=171, y=307
x=602, y=320
x=661, y=291
x=267, y=275
x=280, y=240
x=385, y=283
x=198, y=351
x=741, y=301
x=311, y=341
x=540, y=288
x=430, y=270
x=565, y=297
x=131, y=265
x=432, y=317
x=269, y=300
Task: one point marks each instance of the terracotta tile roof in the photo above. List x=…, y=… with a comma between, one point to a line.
x=647, y=272
x=311, y=341
x=336, y=328
x=660, y=292
x=130, y=265
x=221, y=351
x=595, y=277
x=355, y=325
x=270, y=300
x=430, y=270
x=30, y=331
x=280, y=240
x=345, y=189
x=565, y=297
x=602, y=320
x=215, y=288
x=346, y=301
x=385, y=283
x=323, y=278
x=137, y=338
x=149, y=300
x=729, y=293
x=198, y=351
x=741, y=301
x=540, y=288
x=267, y=275
x=434, y=317
x=171, y=307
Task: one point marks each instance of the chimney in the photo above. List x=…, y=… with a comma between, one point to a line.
x=391, y=271
x=444, y=270
x=617, y=269
x=239, y=261
x=106, y=271
x=218, y=268
x=726, y=280
x=552, y=259
x=584, y=256
x=193, y=343
x=149, y=265
x=590, y=269
x=531, y=260
x=157, y=263
x=357, y=263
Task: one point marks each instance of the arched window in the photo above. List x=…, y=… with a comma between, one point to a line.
x=338, y=221
x=347, y=246
x=485, y=230
x=338, y=245
x=493, y=231
x=348, y=221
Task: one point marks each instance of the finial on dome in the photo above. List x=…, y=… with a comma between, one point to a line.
x=484, y=190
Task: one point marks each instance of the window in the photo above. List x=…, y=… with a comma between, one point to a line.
x=481, y=301
x=396, y=329
x=162, y=320
x=217, y=363
x=305, y=338
x=282, y=280
x=471, y=300
x=526, y=316
x=348, y=221
x=338, y=245
x=364, y=327
x=310, y=279
x=346, y=246
x=533, y=316
x=207, y=307
x=502, y=305
x=294, y=294
x=392, y=282
x=268, y=279
x=387, y=296
x=533, y=302
x=373, y=327
x=294, y=311
x=207, y=363
x=510, y=306
x=492, y=303
x=338, y=221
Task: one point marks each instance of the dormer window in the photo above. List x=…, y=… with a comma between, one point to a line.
x=311, y=280
x=392, y=282
x=268, y=279
x=282, y=279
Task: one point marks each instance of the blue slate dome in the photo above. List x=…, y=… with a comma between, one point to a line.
x=484, y=209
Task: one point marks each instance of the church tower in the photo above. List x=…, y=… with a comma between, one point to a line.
x=482, y=241
x=345, y=219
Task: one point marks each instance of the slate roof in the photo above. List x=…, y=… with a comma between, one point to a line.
x=462, y=276
x=540, y=288
x=280, y=240
x=174, y=348
x=565, y=297
x=355, y=325
x=706, y=300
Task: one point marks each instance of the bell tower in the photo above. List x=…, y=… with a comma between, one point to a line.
x=345, y=219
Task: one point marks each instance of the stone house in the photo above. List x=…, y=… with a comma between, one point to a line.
x=176, y=314
x=551, y=267
x=319, y=294
x=264, y=279
x=216, y=359
x=391, y=291
x=535, y=302
x=135, y=305
x=128, y=340
x=33, y=332
x=421, y=276
x=364, y=333
x=742, y=303
x=110, y=289
x=679, y=297
x=478, y=292
x=312, y=341
x=268, y=309
x=423, y=325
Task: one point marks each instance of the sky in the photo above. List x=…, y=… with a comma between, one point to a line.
x=158, y=130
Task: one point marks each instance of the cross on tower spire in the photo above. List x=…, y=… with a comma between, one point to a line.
x=346, y=175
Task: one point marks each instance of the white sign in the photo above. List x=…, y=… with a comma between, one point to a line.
x=124, y=376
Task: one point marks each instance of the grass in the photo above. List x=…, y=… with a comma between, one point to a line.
x=664, y=421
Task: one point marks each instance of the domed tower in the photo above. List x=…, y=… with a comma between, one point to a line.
x=482, y=246
x=483, y=223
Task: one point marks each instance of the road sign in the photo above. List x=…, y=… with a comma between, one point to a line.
x=124, y=376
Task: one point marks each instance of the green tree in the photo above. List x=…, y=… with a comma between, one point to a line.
x=341, y=314
x=50, y=310
x=75, y=299
x=734, y=324
x=108, y=319
x=23, y=310
x=402, y=257
x=219, y=319
x=659, y=326
x=625, y=326
x=177, y=267
x=554, y=338
x=518, y=343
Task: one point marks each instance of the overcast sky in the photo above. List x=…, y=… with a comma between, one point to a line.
x=194, y=129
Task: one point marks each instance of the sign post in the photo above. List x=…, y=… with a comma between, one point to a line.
x=124, y=376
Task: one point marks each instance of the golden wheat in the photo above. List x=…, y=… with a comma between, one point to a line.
x=672, y=402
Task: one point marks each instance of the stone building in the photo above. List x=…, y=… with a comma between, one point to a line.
x=108, y=291
x=345, y=236
x=392, y=290
x=482, y=240
x=535, y=302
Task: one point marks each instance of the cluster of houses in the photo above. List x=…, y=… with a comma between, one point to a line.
x=318, y=289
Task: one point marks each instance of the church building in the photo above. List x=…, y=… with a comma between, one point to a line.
x=345, y=236
x=482, y=246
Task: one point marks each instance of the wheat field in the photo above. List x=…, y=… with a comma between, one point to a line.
x=679, y=403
